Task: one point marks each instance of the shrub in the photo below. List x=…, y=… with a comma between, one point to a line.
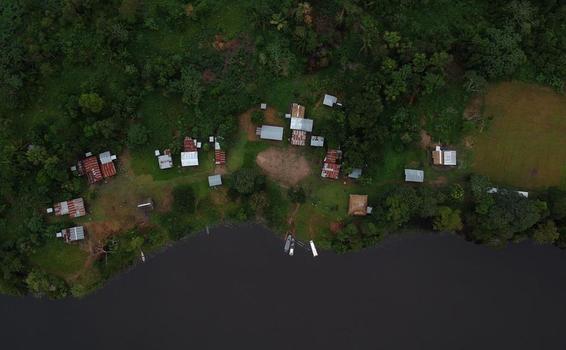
x=258, y=117
x=184, y=199
x=137, y=136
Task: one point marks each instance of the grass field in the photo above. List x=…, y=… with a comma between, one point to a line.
x=525, y=145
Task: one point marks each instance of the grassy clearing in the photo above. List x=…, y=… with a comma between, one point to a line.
x=525, y=145
x=61, y=259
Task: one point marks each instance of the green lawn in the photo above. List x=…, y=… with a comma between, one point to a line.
x=525, y=145
x=62, y=259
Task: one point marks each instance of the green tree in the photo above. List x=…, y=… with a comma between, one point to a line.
x=258, y=117
x=297, y=194
x=448, y=219
x=184, y=199
x=546, y=233
x=137, y=136
x=245, y=181
x=91, y=102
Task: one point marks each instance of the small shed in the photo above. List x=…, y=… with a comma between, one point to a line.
x=413, y=175
x=107, y=164
x=358, y=205
x=269, y=132
x=449, y=158
x=72, y=234
x=297, y=111
x=214, y=180
x=263, y=106
x=329, y=100
x=165, y=161
x=317, y=141
x=356, y=173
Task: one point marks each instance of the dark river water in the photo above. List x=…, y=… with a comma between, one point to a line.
x=234, y=289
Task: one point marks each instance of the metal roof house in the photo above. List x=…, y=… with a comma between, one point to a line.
x=356, y=173
x=413, y=175
x=317, y=141
x=358, y=205
x=107, y=164
x=329, y=100
x=297, y=111
x=441, y=157
x=269, y=132
x=214, y=180
x=189, y=158
x=301, y=124
x=165, y=160
x=331, y=165
x=89, y=167
x=74, y=208
x=190, y=155
x=72, y=234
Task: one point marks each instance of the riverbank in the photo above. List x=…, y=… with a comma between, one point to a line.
x=235, y=288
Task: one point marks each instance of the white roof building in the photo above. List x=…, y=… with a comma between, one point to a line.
x=189, y=158
x=317, y=141
x=355, y=174
x=329, y=100
x=165, y=161
x=214, y=180
x=301, y=124
x=413, y=175
x=269, y=132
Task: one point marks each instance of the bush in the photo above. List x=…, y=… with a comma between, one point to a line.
x=184, y=199
x=297, y=194
x=246, y=181
x=137, y=136
x=258, y=117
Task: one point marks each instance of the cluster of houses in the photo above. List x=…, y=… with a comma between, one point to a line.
x=74, y=208
x=96, y=168
x=190, y=157
x=300, y=127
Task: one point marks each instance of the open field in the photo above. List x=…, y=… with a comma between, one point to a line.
x=525, y=145
x=286, y=166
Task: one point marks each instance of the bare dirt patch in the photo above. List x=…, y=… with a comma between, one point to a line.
x=246, y=124
x=285, y=166
x=474, y=108
x=426, y=140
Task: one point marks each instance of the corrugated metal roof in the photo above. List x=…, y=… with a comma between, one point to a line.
x=214, y=180
x=449, y=157
x=412, y=175
x=317, y=141
x=269, y=132
x=165, y=161
x=92, y=169
x=302, y=124
x=189, y=158
x=105, y=157
x=329, y=100
x=356, y=173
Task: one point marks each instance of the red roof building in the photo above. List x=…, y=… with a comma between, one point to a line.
x=331, y=166
x=299, y=138
x=89, y=167
x=74, y=208
x=190, y=145
x=107, y=165
x=219, y=157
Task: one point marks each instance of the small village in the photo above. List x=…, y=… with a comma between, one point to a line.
x=101, y=168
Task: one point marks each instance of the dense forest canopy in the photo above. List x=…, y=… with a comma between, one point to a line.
x=73, y=74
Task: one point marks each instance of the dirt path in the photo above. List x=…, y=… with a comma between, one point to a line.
x=286, y=166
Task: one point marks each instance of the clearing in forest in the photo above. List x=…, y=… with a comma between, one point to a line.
x=284, y=165
x=525, y=145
